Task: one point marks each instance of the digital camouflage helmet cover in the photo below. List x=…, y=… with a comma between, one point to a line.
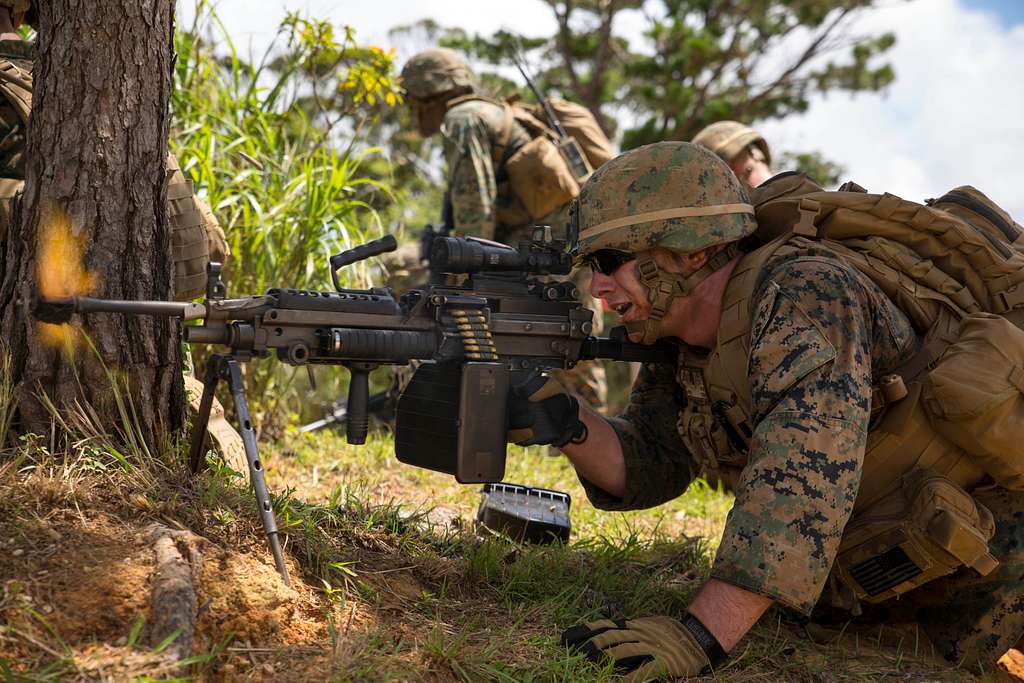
x=674, y=195
x=435, y=72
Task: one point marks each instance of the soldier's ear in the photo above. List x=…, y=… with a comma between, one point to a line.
x=680, y=264
x=685, y=264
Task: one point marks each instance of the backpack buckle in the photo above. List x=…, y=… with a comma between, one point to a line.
x=1010, y=298
x=809, y=210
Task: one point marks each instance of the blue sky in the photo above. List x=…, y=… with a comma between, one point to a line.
x=1010, y=12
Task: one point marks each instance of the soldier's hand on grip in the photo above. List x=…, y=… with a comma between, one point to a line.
x=643, y=649
x=542, y=412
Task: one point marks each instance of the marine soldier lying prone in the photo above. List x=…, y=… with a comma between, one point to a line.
x=821, y=389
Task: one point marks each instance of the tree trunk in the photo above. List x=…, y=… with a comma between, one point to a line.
x=97, y=143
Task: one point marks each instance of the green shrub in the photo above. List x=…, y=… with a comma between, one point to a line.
x=275, y=148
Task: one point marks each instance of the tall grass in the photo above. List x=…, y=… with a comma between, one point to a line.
x=8, y=394
x=274, y=146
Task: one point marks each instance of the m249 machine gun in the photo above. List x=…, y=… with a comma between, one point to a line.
x=477, y=339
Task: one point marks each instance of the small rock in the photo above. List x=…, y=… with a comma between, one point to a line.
x=122, y=641
x=18, y=552
x=47, y=609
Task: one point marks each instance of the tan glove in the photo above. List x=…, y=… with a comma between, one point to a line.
x=644, y=649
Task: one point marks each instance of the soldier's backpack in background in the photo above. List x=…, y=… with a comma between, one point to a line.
x=538, y=172
x=579, y=123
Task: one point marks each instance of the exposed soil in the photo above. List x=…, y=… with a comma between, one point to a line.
x=76, y=572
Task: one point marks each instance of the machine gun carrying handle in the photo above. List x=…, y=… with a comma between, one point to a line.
x=363, y=251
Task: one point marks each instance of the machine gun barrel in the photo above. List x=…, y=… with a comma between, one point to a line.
x=58, y=311
x=477, y=337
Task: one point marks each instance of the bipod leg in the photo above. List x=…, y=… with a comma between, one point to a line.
x=214, y=372
x=259, y=482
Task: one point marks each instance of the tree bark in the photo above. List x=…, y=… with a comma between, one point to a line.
x=97, y=143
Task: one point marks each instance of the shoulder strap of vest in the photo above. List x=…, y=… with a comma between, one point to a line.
x=16, y=87
x=727, y=370
x=504, y=134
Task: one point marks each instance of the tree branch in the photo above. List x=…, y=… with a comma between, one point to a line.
x=564, y=42
x=592, y=93
x=810, y=52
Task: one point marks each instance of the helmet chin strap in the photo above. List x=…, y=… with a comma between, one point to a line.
x=663, y=287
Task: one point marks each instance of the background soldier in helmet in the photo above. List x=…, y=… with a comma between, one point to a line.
x=740, y=146
x=781, y=347
x=196, y=237
x=479, y=138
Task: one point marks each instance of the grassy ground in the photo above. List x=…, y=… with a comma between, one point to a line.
x=389, y=580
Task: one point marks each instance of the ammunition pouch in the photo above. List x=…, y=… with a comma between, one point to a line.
x=926, y=528
x=540, y=176
x=974, y=396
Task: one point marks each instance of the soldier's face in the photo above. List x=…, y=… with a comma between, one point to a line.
x=750, y=168
x=621, y=291
x=428, y=115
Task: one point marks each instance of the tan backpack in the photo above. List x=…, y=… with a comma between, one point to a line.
x=953, y=267
x=953, y=414
x=538, y=172
x=579, y=123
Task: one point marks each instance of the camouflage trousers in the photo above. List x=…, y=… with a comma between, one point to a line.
x=587, y=380
x=970, y=620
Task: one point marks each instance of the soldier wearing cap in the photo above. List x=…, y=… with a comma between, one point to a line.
x=740, y=146
x=479, y=135
x=196, y=236
x=666, y=229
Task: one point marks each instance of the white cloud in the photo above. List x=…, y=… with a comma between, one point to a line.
x=953, y=116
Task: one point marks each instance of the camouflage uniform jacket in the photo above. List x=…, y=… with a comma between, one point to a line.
x=821, y=334
x=483, y=204
x=20, y=55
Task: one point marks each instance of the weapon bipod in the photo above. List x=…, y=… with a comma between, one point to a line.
x=222, y=366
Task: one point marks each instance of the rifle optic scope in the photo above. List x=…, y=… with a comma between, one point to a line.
x=461, y=255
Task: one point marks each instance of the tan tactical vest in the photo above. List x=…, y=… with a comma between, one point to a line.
x=16, y=88
x=950, y=419
x=190, y=248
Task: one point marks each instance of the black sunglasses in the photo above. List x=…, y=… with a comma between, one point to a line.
x=607, y=261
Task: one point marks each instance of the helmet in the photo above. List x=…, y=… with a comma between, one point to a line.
x=728, y=138
x=434, y=72
x=674, y=195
